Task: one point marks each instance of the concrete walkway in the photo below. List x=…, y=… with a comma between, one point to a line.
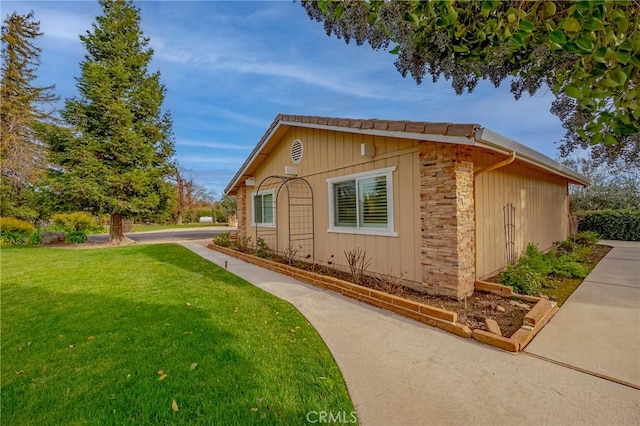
x=401, y=372
x=598, y=327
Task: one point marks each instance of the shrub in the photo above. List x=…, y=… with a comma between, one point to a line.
x=611, y=224
x=358, y=263
x=262, y=249
x=523, y=279
x=535, y=260
x=223, y=240
x=76, y=237
x=36, y=238
x=243, y=244
x=15, y=231
x=585, y=238
x=77, y=221
x=529, y=274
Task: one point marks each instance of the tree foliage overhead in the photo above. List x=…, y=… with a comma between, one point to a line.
x=22, y=108
x=115, y=155
x=586, y=51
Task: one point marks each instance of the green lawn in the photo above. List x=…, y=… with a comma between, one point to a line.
x=86, y=333
x=155, y=227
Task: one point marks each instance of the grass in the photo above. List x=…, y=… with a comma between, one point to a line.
x=86, y=333
x=156, y=227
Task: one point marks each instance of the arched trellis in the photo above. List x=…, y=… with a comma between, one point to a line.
x=299, y=220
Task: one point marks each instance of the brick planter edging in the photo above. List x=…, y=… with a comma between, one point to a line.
x=426, y=314
x=533, y=321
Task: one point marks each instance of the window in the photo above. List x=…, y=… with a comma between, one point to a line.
x=263, y=209
x=362, y=203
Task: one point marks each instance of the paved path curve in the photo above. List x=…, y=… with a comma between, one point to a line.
x=400, y=372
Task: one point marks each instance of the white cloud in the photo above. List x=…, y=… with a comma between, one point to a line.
x=236, y=116
x=213, y=145
x=185, y=160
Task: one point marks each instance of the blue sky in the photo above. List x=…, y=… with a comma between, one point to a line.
x=230, y=67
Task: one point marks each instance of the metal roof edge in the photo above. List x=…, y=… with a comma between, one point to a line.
x=528, y=155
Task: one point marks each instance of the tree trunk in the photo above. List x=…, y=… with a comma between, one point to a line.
x=116, y=231
x=179, y=218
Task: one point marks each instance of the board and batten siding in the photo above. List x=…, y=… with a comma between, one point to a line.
x=329, y=154
x=541, y=210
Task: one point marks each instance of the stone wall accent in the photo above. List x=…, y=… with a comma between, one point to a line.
x=242, y=212
x=447, y=219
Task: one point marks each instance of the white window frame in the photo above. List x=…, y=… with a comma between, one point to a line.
x=389, y=230
x=253, y=209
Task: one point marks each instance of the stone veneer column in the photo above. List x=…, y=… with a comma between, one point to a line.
x=447, y=219
x=241, y=206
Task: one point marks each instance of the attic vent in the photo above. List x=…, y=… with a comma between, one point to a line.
x=296, y=151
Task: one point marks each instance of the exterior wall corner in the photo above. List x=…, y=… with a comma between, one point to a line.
x=447, y=219
x=242, y=212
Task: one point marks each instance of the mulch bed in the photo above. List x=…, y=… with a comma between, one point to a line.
x=508, y=313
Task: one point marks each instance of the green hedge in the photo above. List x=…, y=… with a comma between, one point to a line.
x=621, y=225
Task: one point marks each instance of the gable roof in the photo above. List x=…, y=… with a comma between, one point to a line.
x=463, y=134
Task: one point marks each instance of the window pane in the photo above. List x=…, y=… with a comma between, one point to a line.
x=267, y=208
x=257, y=208
x=373, y=202
x=345, y=203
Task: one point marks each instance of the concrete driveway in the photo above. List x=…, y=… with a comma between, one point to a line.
x=400, y=372
x=597, y=330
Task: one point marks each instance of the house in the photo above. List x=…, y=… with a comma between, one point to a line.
x=440, y=205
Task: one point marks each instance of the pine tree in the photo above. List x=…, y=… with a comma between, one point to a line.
x=22, y=109
x=116, y=154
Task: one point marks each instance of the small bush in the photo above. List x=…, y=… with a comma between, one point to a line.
x=77, y=221
x=567, y=266
x=36, y=238
x=13, y=238
x=15, y=231
x=76, y=237
x=585, y=238
x=243, y=244
x=223, y=240
x=523, y=279
x=530, y=274
x=52, y=237
x=262, y=249
x=358, y=263
x=611, y=224
x=10, y=224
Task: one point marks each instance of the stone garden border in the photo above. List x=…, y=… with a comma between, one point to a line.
x=443, y=319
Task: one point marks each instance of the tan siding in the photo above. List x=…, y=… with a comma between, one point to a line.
x=331, y=154
x=541, y=214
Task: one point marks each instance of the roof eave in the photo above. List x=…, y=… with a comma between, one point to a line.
x=528, y=155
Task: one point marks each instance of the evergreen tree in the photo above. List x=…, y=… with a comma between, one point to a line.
x=22, y=109
x=116, y=154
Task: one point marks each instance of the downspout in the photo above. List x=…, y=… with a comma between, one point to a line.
x=497, y=165
x=486, y=169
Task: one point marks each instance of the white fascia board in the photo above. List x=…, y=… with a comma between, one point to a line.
x=528, y=155
x=256, y=152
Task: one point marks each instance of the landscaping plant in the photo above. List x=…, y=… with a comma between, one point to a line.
x=536, y=270
x=15, y=231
